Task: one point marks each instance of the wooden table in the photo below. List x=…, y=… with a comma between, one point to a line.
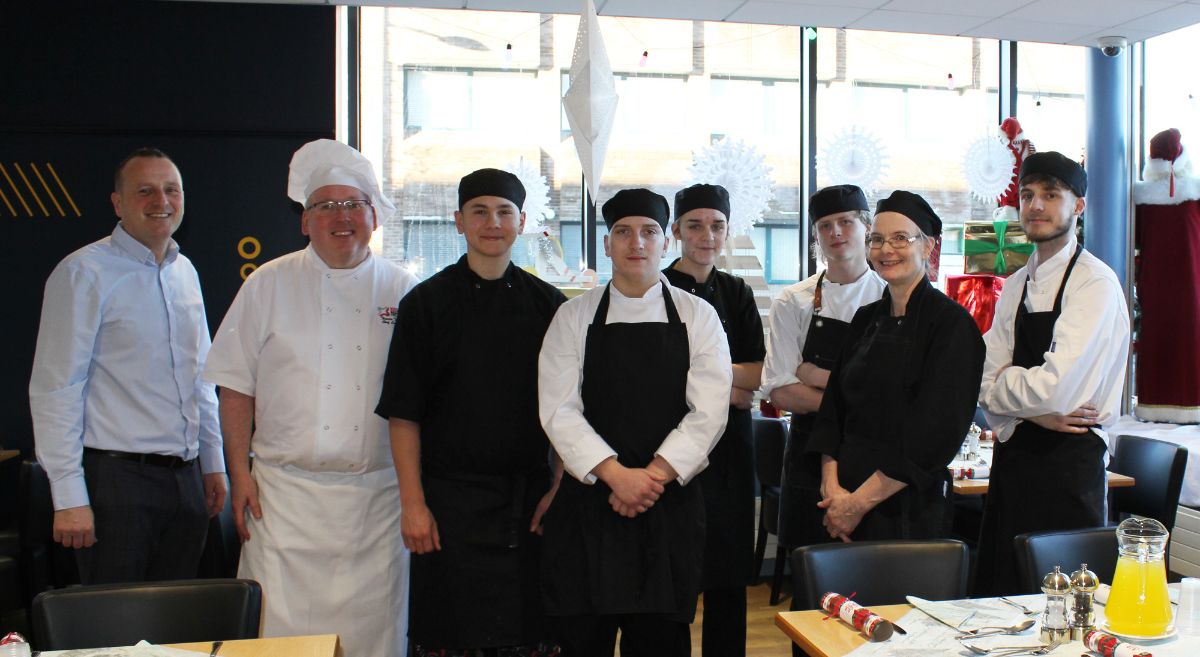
x=829, y=638
x=322, y=645
x=980, y=486
x=6, y=454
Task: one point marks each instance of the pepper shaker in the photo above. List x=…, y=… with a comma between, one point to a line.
x=1083, y=612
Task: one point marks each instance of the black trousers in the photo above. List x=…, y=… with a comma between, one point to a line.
x=642, y=635
x=723, y=633
x=151, y=521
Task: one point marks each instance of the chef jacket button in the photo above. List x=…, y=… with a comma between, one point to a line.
x=356, y=427
x=328, y=309
x=359, y=347
x=327, y=429
x=327, y=276
x=358, y=387
x=358, y=310
x=328, y=386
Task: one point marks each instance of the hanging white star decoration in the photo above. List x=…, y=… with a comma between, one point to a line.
x=988, y=168
x=537, y=196
x=854, y=156
x=742, y=171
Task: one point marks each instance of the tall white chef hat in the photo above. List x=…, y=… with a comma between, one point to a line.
x=328, y=162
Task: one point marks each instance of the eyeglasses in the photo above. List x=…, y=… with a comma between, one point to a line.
x=897, y=241
x=353, y=206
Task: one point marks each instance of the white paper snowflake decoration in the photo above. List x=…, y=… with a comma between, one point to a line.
x=742, y=171
x=854, y=156
x=988, y=167
x=537, y=195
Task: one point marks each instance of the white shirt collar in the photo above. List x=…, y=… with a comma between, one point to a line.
x=1053, y=263
x=140, y=252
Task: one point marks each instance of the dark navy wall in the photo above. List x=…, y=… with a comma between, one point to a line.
x=228, y=90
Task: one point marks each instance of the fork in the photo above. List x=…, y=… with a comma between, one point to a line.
x=1025, y=610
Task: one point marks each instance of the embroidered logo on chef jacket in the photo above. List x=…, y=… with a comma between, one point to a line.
x=387, y=314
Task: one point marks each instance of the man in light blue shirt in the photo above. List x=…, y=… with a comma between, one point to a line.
x=123, y=425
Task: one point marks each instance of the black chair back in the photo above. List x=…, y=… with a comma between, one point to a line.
x=180, y=611
x=1158, y=468
x=880, y=572
x=1039, y=552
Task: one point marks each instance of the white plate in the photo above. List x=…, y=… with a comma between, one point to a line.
x=1171, y=631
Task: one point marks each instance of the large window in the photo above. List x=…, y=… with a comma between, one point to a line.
x=444, y=94
x=919, y=101
x=1173, y=87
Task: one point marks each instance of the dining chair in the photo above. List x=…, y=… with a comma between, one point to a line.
x=770, y=436
x=880, y=572
x=1039, y=552
x=181, y=611
x=1157, y=466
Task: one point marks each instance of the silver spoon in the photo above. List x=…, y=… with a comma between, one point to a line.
x=996, y=629
x=1025, y=610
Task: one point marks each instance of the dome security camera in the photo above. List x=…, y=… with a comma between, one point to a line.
x=1111, y=46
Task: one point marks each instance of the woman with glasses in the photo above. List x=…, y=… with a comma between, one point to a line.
x=902, y=392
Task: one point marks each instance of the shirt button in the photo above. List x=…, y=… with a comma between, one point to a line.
x=356, y=427
x=326, y=427
x=358, y=387
x=328, y=386
x=328, y=309
x=331, y=346
x=477, y=286
x=358, y=310
x=359, y=347
x=327, y=276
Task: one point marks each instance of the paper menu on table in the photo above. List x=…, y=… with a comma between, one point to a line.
x=967, y=615
x=142, y=649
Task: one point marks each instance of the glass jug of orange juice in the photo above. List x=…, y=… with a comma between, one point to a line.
x=1138, y=604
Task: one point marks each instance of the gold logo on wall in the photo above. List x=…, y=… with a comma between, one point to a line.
x=31, y=190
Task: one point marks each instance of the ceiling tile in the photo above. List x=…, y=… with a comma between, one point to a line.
x=989, y=8
x=709, y=10
x=1129, y=33
x=794, y=13
x=1098, y=13
x=539, y=6
x=1168, y=21
x=907, y=21
x=1024, y=30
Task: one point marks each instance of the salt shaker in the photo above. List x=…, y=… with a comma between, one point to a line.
x=1083, y=613
x=973, y=434
x=1056, y=617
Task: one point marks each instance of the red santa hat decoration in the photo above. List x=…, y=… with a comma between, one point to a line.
x=1167, y=160
x=1020, y=147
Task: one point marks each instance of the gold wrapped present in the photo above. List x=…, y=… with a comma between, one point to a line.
x=995, y=247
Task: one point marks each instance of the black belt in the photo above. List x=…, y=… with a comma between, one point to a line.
x=145, y=459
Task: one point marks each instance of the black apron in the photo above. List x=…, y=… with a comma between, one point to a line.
x=878, y=378
x=1040, y=479
x=800, y=521
x=481, y=589
x=728, y=481
x=594, y=560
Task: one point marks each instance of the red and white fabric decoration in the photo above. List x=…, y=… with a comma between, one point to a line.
x=1021, y=148
x=1168, y=284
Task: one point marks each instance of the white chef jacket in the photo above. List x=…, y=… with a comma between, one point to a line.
x=1087, y=355
x=560, y=379
x=791, y=313
x=310, y=343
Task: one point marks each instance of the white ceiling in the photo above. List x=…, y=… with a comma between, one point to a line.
x=1078, y=22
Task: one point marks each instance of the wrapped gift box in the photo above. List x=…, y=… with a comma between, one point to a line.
x=978, y=294
x=995, y=247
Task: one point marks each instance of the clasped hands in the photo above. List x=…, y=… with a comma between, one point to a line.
x=843, y=511
x=635, y=490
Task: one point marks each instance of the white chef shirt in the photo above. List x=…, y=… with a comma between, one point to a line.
x=560, y=379
x=791, y=313
x=1087, y=355
x=310, y=343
